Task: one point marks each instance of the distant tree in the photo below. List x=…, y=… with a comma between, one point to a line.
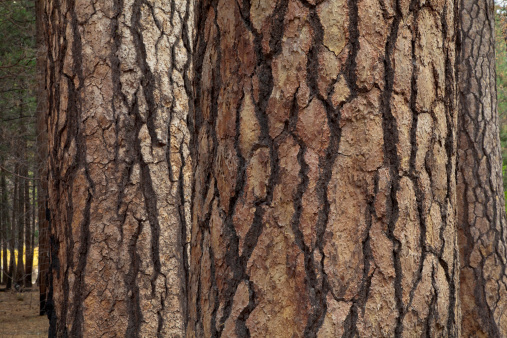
x=4, y=223
x=41, y=158
x=17, y=106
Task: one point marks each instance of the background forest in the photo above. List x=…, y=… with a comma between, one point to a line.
x=18, y=221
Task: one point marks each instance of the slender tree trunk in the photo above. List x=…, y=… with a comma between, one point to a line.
x=20, y=225
x=42, y=154
x=119, y=174
x=20, y=202
x=13, y=228
x=26, y=212
x=30, y=255
x=28, y=235
x=3, y=230
x=6, y=224
x=481, y=205
x=324, y=200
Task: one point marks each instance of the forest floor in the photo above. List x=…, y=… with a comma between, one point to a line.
x=19, y=314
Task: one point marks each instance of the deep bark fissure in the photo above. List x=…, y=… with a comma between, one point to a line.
x=392, y=161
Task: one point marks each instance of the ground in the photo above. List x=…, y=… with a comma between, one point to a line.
x=19, y=314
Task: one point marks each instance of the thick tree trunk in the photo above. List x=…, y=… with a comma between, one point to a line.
x=118, y=171
x=324, y=200
x=481, y=205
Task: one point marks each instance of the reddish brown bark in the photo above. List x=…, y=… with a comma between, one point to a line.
x=118, y=85
x=324, y=200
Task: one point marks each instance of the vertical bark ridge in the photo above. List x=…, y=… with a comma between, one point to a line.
x=481, y=205
x=119, y=166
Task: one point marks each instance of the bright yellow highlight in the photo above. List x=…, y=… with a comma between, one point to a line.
x=35, y=257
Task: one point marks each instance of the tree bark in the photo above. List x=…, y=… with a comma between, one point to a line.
x=5, y=211
x=20, y=201
x=3, y=227
x=33, y=220
x=28, y=235
x=27, y=214
x=20, y=221
x=42, y=154
x=12, y=233
x=324, y=200
x=481, y=204
x=119, y=176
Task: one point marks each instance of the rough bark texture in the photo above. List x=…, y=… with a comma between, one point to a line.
x=117, y=73
x=324, y=201
x=481, y=205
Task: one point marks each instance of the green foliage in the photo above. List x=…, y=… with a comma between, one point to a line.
x=17, y=74
x=501, y=81
x=17, y=96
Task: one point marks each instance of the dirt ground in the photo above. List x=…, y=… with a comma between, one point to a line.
x=19, y=315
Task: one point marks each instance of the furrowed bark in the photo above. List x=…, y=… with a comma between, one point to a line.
x=324, y=199
x=118, y=75
x=481, y=205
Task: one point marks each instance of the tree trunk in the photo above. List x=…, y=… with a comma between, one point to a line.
x=324, y=201
x=28, y=235
x=12, y=233
x=20, y=222
x=42, y=155
x=481, y=205
x=20, y=201
x=6, y=224
x=119, y=175
x=26, y=212
x=3, y=228
x=33, y=218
